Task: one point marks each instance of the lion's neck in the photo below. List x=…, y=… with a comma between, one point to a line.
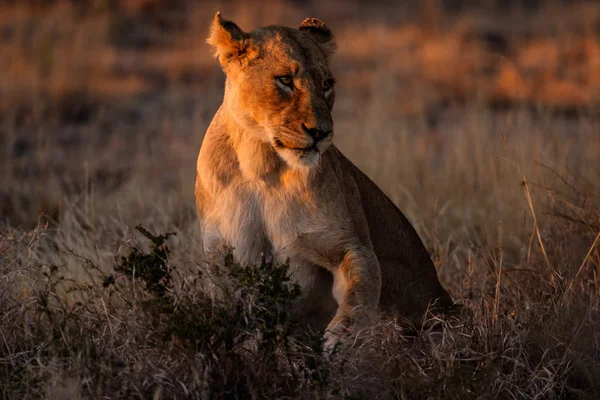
x=257, y=160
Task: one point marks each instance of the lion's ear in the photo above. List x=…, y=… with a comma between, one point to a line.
x=320, y=34
x=232, y=45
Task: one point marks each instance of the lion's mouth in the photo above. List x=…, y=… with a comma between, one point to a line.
x=300, y=157
x=279, y=144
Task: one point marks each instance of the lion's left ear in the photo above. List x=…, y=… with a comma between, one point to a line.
x=320, y=34
x=232, y=45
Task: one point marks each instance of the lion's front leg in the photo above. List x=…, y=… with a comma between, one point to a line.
x=356, y=288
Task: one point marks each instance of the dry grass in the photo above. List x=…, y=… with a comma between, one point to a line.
x=481, y=125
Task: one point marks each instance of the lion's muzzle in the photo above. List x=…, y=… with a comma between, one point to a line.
x=317, y=134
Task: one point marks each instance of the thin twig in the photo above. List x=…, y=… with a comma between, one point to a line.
x=587, y=256
x=536, y=232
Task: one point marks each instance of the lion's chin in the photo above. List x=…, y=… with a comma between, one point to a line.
x=300, y=159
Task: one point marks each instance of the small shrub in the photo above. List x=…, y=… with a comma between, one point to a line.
x=152, y=268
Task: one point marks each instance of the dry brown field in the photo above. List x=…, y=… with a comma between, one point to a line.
x=480, y=120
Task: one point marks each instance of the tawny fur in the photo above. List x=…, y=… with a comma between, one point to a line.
x=266, y=188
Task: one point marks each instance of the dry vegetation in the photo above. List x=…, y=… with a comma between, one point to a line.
x=480, y=123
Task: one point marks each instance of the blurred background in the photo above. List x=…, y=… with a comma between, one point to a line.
x=447, y=105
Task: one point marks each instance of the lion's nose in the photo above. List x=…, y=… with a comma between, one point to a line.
x=316, y=134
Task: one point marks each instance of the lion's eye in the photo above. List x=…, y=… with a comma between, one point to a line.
x=328, y=85
x=285, y=80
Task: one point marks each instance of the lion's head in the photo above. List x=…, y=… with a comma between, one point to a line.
x=279, y=85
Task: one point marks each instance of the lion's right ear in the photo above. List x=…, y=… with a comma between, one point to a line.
x=320, y=33
x=232, y=45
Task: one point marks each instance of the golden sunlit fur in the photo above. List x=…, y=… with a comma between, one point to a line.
x=271, y=184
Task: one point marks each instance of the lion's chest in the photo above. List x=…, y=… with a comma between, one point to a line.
x=262, y=222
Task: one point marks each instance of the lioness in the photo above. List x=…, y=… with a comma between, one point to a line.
x=270, y=183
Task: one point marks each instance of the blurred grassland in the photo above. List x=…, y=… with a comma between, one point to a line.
x=480, y=122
